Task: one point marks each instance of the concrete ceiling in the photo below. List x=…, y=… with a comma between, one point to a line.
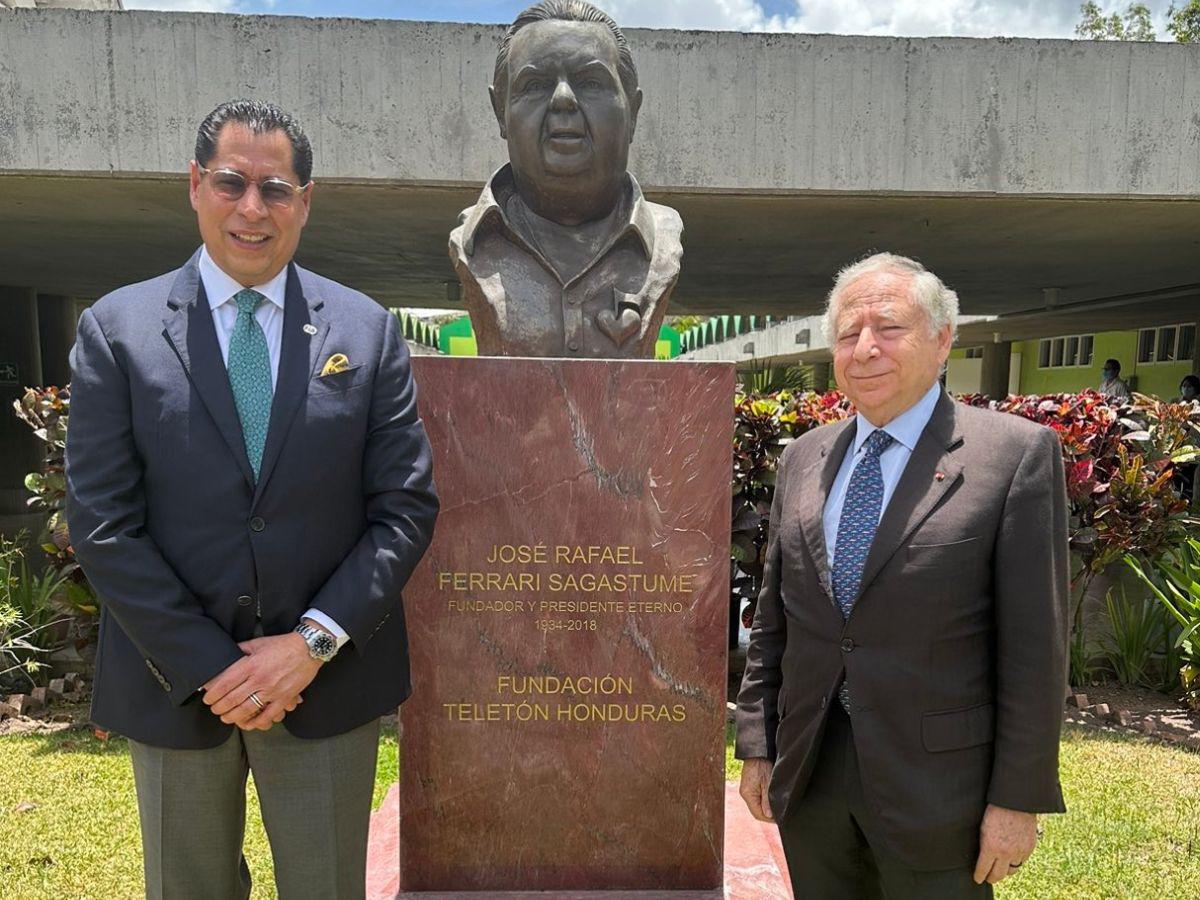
x=743, y=253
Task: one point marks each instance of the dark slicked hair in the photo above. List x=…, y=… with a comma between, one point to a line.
x=565, y=11
x=260, y=117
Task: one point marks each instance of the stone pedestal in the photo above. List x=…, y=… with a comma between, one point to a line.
x=568, y=630
x=755, y=868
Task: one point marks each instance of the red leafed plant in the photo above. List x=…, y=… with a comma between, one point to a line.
x=47, y=411
x=764, y=425
x=1119, y=461
x=1120, y=464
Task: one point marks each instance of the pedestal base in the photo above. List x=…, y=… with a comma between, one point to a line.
x=560, y=895
x=754, y=865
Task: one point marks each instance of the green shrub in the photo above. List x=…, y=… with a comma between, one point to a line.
x=28, y=615
x=1137, y=631
x=47, y=412
x=1177, y=588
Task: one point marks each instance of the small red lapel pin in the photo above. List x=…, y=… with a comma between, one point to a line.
x=939, y=476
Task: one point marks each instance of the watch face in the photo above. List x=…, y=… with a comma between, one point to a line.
x=323, y=645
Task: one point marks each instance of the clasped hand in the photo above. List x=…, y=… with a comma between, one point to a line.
x=275, y=669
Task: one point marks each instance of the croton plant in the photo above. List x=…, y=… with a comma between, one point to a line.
x=1120, y=462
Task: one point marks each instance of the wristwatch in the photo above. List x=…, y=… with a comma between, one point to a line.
x=321, y=645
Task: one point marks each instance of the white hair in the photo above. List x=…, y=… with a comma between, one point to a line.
x=928, y=292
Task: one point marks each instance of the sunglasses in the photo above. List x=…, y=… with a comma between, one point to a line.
x=230, y=185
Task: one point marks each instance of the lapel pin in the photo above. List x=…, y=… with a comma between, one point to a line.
x=309, y=328
x=939, y=476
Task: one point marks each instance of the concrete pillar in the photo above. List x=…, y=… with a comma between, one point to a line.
x=996, y=361
x=821, y=375
x=56, y=332
x=20, y=366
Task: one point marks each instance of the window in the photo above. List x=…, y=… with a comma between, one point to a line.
x=1056, y=352
x=1168, y=343
x=1072, y=350
x=1087, y=343
x=1146, y=345
x=974, y=353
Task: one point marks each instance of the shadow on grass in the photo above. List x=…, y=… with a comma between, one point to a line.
x=74, y=740
x=82, y=740
x=1114, y=735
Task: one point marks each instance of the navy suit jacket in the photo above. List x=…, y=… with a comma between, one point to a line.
x=184, y=547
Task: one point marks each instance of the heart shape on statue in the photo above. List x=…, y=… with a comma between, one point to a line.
x=619, y=328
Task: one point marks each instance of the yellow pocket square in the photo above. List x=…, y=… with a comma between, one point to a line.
x=339, y=362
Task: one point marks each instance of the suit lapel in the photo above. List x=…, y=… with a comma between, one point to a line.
x=919, y=490
x=815, y=484
x=299, y=354
x=190, y=329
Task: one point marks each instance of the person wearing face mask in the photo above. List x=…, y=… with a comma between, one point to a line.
x=1111, y=384
x=1189, y=389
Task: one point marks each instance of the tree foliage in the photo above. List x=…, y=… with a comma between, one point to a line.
x=1132, y=25
x=1183, y=23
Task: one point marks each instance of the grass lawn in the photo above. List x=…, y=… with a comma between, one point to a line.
x=1133, y=830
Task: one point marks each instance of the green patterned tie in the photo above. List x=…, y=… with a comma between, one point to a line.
x=250, y=376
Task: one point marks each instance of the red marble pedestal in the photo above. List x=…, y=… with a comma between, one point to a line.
x=754, y=865
x=568, y=630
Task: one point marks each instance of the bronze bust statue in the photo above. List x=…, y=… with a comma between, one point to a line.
x=562, y=255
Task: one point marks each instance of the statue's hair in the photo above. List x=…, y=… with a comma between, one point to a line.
x=564, y=11
x=927, y=291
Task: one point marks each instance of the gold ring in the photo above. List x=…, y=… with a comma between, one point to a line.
x=256, y=701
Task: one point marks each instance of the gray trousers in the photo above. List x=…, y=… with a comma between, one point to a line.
x=827, y=840
x=315, y=797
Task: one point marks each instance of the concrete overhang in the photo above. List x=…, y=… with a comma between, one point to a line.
x=748, y=254
x=1007, y=166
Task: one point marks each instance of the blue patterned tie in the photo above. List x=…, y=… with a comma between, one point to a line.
x=856, y=529
x=250, y=376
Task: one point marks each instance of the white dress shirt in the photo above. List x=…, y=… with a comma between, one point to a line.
x=220, y=289
x=906, y=430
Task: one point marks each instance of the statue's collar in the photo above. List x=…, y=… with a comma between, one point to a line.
x=639, y=218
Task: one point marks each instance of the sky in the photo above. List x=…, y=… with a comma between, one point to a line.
x=909, y=18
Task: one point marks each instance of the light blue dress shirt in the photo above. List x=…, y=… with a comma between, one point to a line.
x=220, y=289
x=905, y=430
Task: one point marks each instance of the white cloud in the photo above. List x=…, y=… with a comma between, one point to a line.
x=724, y=15
x=919, y=18
x=184, y=5
x=911, y=18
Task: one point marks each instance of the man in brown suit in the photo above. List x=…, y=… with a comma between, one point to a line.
x=901, y=708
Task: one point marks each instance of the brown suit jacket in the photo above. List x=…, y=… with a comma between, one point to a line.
x=956, y=650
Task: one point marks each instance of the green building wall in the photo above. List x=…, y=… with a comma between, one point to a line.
x=1158, y=379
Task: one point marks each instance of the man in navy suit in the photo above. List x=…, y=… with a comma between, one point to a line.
x=249, y=489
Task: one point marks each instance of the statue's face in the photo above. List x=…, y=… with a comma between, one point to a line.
x=566, y=114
